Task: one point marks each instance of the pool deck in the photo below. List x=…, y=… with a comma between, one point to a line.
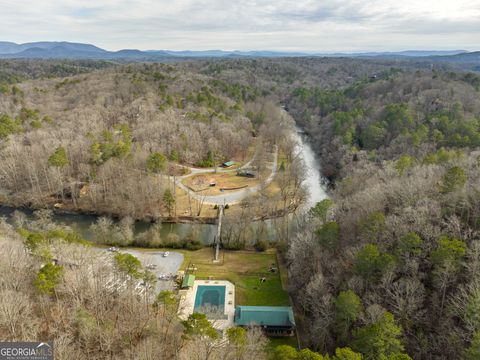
x=187, y=302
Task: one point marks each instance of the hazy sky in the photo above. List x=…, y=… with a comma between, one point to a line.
x=302, y=25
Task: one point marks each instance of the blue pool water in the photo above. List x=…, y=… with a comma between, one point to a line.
x=210, y=296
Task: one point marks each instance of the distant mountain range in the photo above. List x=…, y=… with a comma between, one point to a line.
x=468, y=57
x=68, y=50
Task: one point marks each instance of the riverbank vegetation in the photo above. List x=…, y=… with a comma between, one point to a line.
x=106, y=232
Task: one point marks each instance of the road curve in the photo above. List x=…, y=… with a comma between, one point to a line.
x=229, y=197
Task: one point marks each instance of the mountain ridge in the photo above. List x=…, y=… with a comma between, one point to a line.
x=71, y=50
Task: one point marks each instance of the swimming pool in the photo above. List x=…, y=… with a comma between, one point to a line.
x=210, y=296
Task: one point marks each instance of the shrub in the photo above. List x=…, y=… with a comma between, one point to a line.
x=173, y=241
x=192, y=245
x=58, y=158
x=261, y=245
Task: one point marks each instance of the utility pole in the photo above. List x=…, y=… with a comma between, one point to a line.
x=175, y=192
x=219, y=231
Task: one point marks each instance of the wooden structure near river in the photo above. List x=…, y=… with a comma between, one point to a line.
x=219, y=231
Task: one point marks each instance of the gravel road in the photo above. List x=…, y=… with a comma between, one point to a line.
x=164, y=266
x=230, y=197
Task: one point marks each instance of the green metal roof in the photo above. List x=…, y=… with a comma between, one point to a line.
x=188, y=281
x=264, y=315
x=229, y=163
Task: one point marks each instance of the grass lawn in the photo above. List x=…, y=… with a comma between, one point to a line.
x=244, y=269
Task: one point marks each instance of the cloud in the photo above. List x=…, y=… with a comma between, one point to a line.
x=306, y=25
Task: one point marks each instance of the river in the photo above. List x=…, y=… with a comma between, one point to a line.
x=82, y=223
x=314, y=182
x=205, y=232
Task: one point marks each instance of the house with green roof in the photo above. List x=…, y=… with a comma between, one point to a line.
x=274, y=320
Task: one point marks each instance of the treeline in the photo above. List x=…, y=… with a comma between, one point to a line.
x=15, y=71
x=389, y=265
x=107, y=232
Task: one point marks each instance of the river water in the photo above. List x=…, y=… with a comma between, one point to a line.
x=83, y=223
x=314, y=182
x=205, y=232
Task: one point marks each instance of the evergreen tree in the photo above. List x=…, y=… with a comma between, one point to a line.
x=168, y=200
x=48, y=277
x=378, y=340
x=156, y=162
x=59, y=158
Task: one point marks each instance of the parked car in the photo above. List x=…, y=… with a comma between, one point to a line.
x=166, y=253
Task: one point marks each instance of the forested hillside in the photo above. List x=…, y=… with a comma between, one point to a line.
x=105, y=138
x=61, y=134
x=390, y=264
x=411, y=113
x=387, y=267
x=14, y=71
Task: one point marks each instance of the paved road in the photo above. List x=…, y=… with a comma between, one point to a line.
x=230, y=197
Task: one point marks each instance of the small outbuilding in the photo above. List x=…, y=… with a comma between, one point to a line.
x=274, y=320
x=188, y=281
x=228, y=164
x=249, y=173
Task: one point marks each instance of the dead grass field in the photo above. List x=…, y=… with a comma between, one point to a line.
x=189, y=207
x=223, y=180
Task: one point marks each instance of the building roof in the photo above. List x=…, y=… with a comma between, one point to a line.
x=188, y=281
x=246, y=172
x=264, y=315
x=229, y=163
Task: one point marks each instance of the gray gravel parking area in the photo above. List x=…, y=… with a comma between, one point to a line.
x=164, y=267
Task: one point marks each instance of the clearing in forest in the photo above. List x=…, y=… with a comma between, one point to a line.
x=217, y=183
